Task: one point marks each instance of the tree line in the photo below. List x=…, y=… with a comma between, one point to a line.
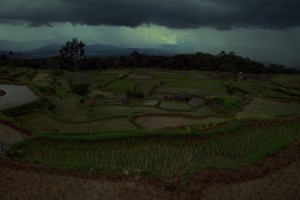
x=72, y=54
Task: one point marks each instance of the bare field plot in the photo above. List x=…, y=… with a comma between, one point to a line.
x=118, y=72
x=263, y=107
x=173, y=105
x=159, y=96
x=140, y=77
x=196, y=101
x=95, y=92
x=163, y=75
x=159, y=122
x=115, y=111
x=198, y=87
x=94, y=78
x=151, y=102
x=199, y=112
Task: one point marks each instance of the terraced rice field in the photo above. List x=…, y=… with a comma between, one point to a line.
x=201, y=87
x=150, y=147
x=120, y=86
x=261, y=88
x=140, y=77
x=172, y=105
x=42, y=122
x=146, y=86
x=116, y=111
x=66, y=108
x=165, y=156
x=160, y=121
x=199, y=112
x=287, y=80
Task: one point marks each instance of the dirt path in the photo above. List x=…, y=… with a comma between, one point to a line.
x=10, y=135
x=275, y=178
x=282, y=184
x=30, y=181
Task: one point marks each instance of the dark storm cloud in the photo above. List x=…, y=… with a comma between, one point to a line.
x=221, y=14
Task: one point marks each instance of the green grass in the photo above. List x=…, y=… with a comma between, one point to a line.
x=261, y=88
x=118, y=72
x=195, y=87
x=198, y=75
x=287, y=80
x=166, y=157
x=290, y=91
x=121, y=86
x=163, y=75
x=146, y=86
x=23, y=78
x=45, y=123
x=67, y=108
x=95, y=78
x=225, y=105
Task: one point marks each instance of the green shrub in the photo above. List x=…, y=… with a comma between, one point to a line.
x=80, y=88
x=224, y=105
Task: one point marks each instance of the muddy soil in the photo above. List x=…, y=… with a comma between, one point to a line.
x=9, y=135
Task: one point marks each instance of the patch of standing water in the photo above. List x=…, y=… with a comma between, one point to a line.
x=151, y=102
x=196, y=101
x=15, y=96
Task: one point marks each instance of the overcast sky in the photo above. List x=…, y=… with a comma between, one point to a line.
x=267, y=30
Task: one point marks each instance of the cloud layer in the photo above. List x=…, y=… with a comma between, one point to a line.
x=220, y=14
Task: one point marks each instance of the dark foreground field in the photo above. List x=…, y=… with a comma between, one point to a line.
x=151, y=134
x=275, y=178
x=264, y=167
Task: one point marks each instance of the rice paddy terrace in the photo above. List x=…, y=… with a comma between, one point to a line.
x=156, y=134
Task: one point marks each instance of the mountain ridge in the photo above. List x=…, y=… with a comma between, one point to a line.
x=52, y=49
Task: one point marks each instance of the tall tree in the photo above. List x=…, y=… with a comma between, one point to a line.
x=136, y=57
x=73, y=52
x=54, y=76
x=11, y=58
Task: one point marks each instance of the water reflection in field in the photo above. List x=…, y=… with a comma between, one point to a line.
x=15, y=96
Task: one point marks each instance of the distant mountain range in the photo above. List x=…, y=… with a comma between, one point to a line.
x=41, y=49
